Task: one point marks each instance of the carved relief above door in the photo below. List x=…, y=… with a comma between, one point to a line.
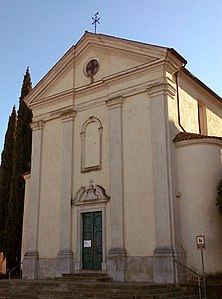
x=90, y=246
x=93, y=194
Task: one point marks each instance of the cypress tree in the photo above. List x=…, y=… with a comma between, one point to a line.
x=6, y=175
x=21, y=164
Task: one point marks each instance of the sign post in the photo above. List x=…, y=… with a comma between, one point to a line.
x=200, y=241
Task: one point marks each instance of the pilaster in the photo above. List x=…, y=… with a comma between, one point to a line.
x=30, y=263
x=166, y=247
x=117, y=253
x=27, y=177
x=64, y=263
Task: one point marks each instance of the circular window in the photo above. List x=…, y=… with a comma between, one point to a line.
x=92, y=67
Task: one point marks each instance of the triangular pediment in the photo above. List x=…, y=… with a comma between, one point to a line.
x=130, y=52
x=114, y=55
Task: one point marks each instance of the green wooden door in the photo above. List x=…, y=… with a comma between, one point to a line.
x=92, y=240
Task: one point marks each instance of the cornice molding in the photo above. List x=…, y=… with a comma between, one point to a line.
x=173, y=64
x=38, y=125
x=134, y=72
x=116, y=102
x=26, y=175
x=159, y=89
x=124, y=93
x=95, y=102
x=199, y=141
x=50, y=77
x=121, y=44
x=68, y=115
x=110, y=80
x=152, y=55
x=48, y=116
x=121, y=77
x=101, y=85
x=53, y=98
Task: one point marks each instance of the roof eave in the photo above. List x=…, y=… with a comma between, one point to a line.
x=178, y=56
x=199, y=82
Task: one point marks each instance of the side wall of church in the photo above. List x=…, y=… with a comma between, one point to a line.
x=199, y=169
x=207, y=106
x=198, y=110
x=214, y=122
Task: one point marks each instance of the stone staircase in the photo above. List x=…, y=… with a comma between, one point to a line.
x=87, y=277
x=84, y=286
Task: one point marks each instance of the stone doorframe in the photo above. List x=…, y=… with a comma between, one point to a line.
x=79, y=236
x=93, y=199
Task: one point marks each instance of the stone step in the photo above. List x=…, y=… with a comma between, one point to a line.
x=87, y=276
x=31, y=296
x=67, y=289
x=25, y=296
x=97, y=287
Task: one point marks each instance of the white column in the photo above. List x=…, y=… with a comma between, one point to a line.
x=117, y=253
x=30, y=264
x=64, y=262
x=166, y=249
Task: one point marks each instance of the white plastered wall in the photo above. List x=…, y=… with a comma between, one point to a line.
x=199, y=171
x=214, y=124
x=49, y=210
x=190, y=93
x=138, y=178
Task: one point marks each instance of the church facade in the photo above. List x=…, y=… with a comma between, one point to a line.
x=126, y=158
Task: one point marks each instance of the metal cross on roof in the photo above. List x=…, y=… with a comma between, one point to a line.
x=95, y=20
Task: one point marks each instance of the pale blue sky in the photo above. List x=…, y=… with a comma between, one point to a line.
x=36, y=33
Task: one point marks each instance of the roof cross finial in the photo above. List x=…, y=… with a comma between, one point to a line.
x=95, y=20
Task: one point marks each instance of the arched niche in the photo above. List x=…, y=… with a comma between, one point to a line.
x=91, y=145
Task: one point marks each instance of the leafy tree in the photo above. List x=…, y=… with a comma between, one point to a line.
x=6, y=175
x=21, y=164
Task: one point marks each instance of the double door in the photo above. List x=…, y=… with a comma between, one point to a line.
x=92, y=241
